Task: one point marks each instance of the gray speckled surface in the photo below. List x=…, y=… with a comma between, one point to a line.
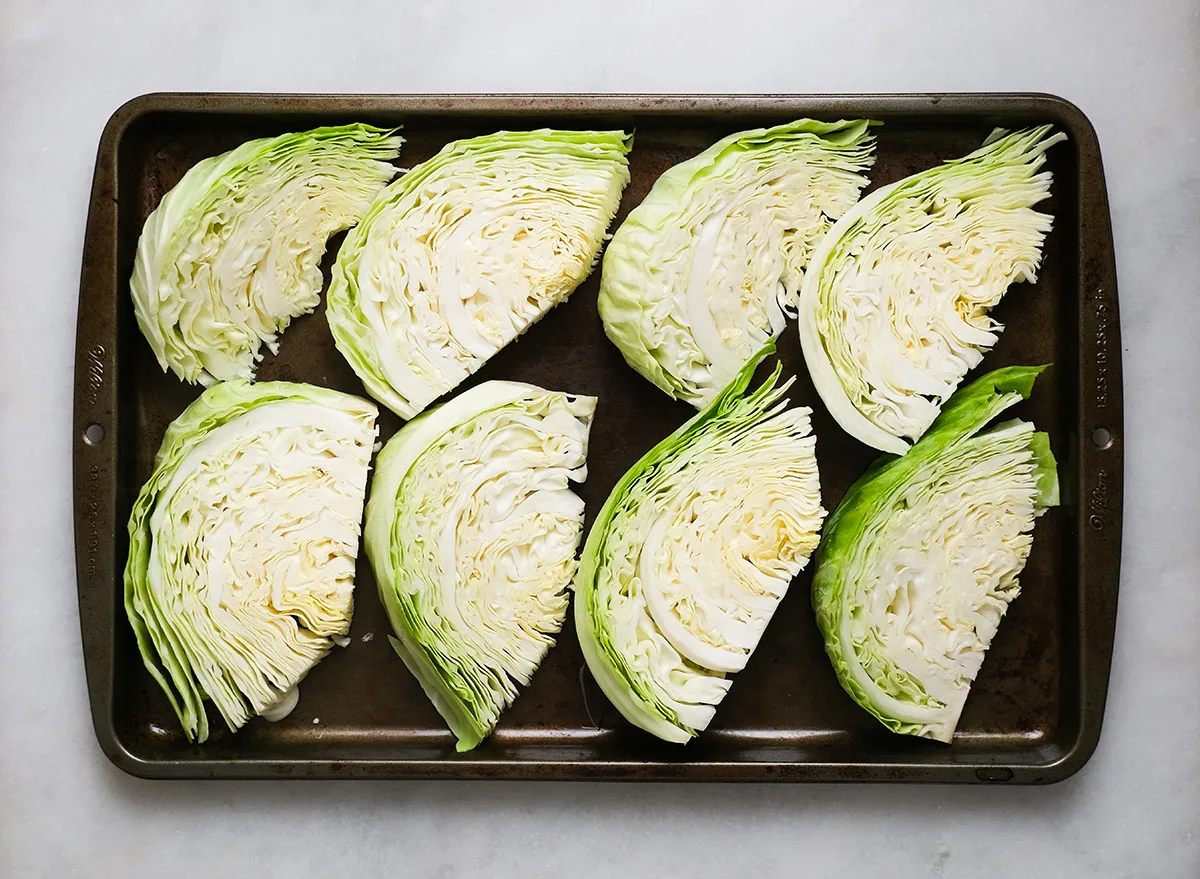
x=1133, y=811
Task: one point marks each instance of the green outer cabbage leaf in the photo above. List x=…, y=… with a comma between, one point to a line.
x=242, y=545
x=233, y=251
x=472, y=531
x=894, y=310
x=692, y=552
x=700, y=274
x=920, y=560
x=466, y=251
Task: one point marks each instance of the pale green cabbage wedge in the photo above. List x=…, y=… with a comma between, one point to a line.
x=693, y=551
x=242, y=546
x=920, y=560
x=700, y=274
x=472, y=530
x=894, y=310
x=466, y=251
x=233, y=251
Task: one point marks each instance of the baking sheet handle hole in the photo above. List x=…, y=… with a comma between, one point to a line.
x=1102, y=438
x=93, y=434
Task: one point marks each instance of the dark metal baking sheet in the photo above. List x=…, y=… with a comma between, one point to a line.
x=1035, y=712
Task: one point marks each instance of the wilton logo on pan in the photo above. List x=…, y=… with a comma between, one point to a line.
x=94, y=374
x=1098, y=502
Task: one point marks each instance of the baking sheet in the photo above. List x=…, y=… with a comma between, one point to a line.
x=1035, y=711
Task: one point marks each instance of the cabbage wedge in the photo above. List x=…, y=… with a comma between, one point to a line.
x=472, y=530
x=699, y=275
x=468, y=250
x=920, y=560
x=894, y=310
x=693, y=551
x=242, y=546
x=233, y=251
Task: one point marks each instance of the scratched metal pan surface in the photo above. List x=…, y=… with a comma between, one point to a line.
x=1034, y=714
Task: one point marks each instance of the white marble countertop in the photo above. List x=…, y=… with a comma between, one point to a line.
x=1134, y=68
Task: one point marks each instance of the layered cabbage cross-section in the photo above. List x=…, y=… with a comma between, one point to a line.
x=895, y=308
x=920, y=560
x=693, y=551
x=466, y=251
x=233, y=251
x=700, y=275
x=242, y=546
x=472, y=530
